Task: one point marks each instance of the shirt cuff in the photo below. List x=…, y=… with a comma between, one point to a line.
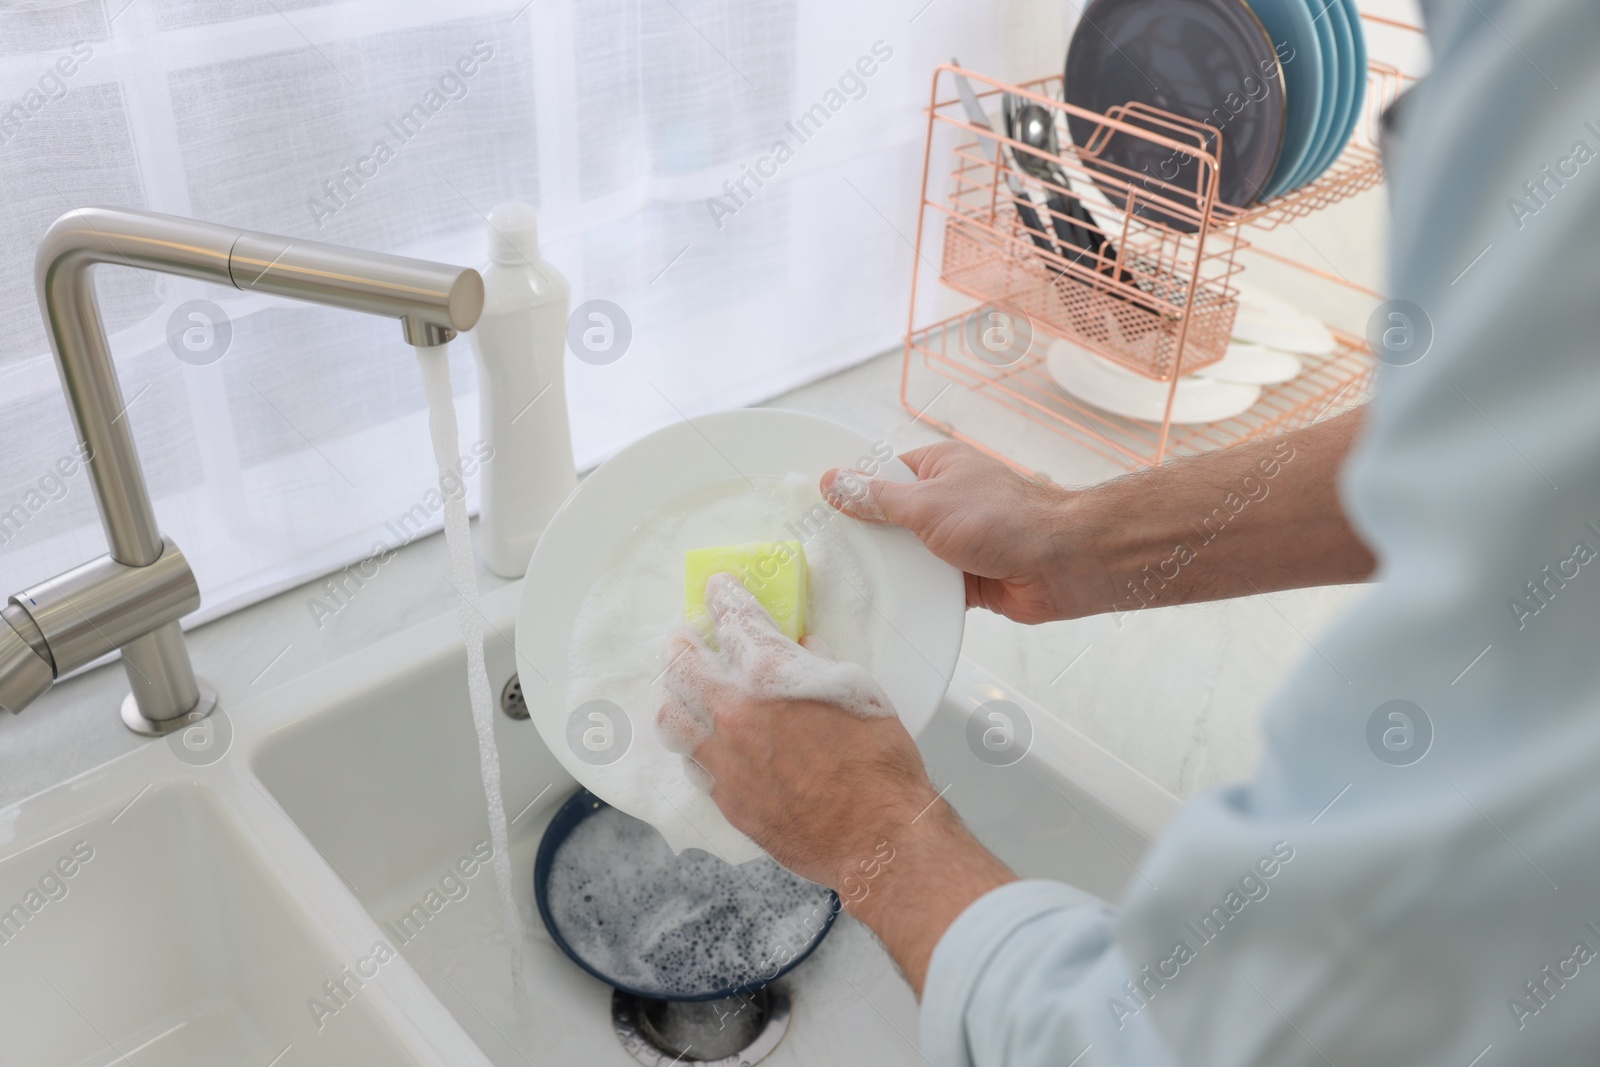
x=988, y=927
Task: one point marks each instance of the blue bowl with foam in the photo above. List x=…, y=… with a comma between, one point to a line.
x=681, y=974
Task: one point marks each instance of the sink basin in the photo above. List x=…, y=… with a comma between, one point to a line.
x=148, y=931
x=347, y=817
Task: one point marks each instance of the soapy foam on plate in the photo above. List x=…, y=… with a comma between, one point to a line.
x=619, y=639
x=757, y=663
x=676, y=925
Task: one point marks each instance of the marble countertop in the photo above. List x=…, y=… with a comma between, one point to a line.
x=1175, y=692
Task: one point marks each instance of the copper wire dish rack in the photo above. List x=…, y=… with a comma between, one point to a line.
x=1159, y=298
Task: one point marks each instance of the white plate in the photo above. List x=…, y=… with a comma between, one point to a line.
x=1268, y=320
x=917, y=602
x=1122, y=392
x=1252, y=365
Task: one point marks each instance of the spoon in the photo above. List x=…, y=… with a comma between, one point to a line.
x=1035, y=127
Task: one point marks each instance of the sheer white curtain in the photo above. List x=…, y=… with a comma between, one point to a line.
x=645, y=131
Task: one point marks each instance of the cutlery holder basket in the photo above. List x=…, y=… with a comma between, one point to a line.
x=1146, y=287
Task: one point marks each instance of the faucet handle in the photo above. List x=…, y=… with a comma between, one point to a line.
x=25, y=674
x=74, y=618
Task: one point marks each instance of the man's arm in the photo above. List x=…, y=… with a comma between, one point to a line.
x=1256, y=518
x=842, y=797
x=938, y=869
x=838, y=796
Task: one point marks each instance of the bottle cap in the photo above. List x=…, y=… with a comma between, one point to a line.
x=514, y=233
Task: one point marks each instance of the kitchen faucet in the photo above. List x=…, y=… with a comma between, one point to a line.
x=132, y=597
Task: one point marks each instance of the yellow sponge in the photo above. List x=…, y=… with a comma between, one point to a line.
x=774, y=571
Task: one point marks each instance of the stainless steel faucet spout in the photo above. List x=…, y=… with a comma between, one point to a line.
x=432, y=300
x=75, y=243
x=424, y=296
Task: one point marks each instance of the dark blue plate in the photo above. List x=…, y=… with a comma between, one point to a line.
x=580, y=806
x=1210, y=61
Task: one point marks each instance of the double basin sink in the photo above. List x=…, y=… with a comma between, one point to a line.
x=306, y=878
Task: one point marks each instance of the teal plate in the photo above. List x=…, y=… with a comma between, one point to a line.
x=1358, y=37
x=1351, y=84
x=1299, y=48
x=1332, y=76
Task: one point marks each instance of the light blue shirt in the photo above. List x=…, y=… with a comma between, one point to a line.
x=1444, y=911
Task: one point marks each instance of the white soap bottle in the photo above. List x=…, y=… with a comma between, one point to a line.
x=520, y=341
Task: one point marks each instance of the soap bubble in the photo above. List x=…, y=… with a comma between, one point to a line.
x=599, y=332
x=205, y=740
x=199, y=332
x=999, y=733
x=1400, y=332
x=599, y=732
x=1399, y=733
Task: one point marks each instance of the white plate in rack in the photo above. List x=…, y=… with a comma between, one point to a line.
x=1103, y=384
x=1265, y=319
x=915, y=604
x=1253, y=365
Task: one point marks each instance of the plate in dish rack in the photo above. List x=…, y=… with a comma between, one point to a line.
x=911, y=605
x=1253, y=365
x=1102, y=383
x=1209, y=61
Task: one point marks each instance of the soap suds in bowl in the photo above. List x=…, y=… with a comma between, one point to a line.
x=677, y=926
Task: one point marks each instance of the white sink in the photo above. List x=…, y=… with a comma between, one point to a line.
x=218, y=903
x=160, y=935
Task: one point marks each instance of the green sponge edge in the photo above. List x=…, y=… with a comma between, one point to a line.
x=774, y=571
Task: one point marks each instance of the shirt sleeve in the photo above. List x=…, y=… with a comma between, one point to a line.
x=1411, y=876
x=1013, y=980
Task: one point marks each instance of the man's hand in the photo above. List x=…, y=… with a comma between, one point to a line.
x=978, y=514
x=1255, y=518
x=837, y=796
x=816, y=785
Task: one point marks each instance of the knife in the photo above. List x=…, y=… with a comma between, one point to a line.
x=991, y=149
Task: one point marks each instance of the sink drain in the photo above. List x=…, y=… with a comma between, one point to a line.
x=511, y=699
x=736, y=1032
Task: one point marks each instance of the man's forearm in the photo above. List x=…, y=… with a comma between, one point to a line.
x=1255, y=518
x=937, y=868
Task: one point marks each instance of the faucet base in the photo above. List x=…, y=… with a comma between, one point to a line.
x=135, y=720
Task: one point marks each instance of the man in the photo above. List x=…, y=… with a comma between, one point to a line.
x=1413, y=874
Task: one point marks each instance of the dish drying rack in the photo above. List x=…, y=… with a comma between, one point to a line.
x=1158, y=298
